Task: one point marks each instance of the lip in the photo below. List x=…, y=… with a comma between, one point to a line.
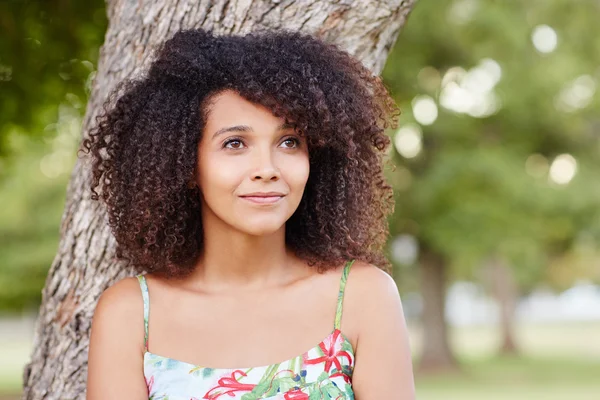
x=263, y=194
x=263, y=197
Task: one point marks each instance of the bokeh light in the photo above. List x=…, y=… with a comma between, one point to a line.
x=408, y=140
x=472, y=92
x=563, y=169
x=425, y=110
x=544, y=39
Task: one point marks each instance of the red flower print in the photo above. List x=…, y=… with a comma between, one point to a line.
x=231, y=383
x=332, y=349
x=149, y=384
x=296, y=394
x=346, y=377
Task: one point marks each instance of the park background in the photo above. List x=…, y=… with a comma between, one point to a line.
x=497, y=223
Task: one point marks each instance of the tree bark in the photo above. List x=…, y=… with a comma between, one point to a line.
x=85, y=265
x=436, y=354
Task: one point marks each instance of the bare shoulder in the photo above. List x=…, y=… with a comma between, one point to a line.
x=123, y=297
x=370, y=295
x=120, y=310
x=115, y=354
x=383, y=365
x=372, y=285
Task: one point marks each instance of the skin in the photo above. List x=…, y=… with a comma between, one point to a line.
x=246, y=281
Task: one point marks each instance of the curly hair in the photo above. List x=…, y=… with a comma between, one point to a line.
x=144, y=146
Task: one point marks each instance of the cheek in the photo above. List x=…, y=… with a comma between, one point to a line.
x=297, y=173
x=217, y=176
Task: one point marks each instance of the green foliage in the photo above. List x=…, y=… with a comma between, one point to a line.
x=29, y=226
x=48, y=53
x=480, y=187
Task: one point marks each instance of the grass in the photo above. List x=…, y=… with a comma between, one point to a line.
x=515, y=378
x=559, y=361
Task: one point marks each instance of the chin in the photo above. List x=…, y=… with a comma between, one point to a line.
x=262, y=229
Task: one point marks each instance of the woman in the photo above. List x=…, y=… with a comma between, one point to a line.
x=243, y=175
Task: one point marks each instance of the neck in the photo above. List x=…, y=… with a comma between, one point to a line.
x=234, y=260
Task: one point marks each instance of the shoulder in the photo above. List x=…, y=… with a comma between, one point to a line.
x=371, y=295
x=115, y=354
x=119, y=311
x=373, y=299
x=371, y=284
x=383, y=366
x=122, y=297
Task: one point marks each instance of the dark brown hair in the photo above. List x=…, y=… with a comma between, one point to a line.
x=144, y=146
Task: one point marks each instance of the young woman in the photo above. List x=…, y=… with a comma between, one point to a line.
x=243, y=182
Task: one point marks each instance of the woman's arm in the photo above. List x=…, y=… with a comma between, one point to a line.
x=383, y=368
x=115, y=359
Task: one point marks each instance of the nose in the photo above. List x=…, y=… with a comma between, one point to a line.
x=265, y=167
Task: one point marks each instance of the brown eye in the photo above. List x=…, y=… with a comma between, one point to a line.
x=294, y=142
x=233, y=144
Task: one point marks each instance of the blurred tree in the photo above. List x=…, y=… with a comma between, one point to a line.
x=48, y=54
x=47, y=50
x=498, y=148
x=86, y=246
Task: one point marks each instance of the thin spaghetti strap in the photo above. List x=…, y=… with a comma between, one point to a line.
x=338, y=312
x=146, y=298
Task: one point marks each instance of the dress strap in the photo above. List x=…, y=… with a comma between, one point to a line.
x=144, y=287
x=338, y=312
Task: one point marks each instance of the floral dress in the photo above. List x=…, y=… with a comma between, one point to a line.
x=322, y=372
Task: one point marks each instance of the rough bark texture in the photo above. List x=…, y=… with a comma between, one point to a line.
x=84, y=265
x=436, y=354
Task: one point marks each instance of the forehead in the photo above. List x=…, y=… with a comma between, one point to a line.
x=228, y=107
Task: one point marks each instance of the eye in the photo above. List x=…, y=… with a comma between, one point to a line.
x=233, y=143
x=294, y=142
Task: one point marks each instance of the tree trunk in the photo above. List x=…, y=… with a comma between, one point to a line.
x=84, y=265
x=436, y=354
x=502, y=284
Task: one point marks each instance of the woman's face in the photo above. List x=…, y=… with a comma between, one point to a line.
x=252, y=169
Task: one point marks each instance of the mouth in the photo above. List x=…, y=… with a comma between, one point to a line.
x=263, y=199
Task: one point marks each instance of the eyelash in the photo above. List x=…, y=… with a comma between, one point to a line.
x=238, y=139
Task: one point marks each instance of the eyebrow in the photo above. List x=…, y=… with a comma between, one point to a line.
x=246, y=128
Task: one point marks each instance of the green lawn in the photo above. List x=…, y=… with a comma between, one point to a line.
x=516, y=379
x=559, y=362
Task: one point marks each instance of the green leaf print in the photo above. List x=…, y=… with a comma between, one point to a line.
x=207, y=372
x=324, y=375
x=261, y=388
x=281, y=385
x=272, y=370
x=349, y=392
x=315, y=394
x=331, y=389
x=249, y=396
x=197, y=370
x=295, y=364
x=319, y=351
x=265, y=381
x=347, y=346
